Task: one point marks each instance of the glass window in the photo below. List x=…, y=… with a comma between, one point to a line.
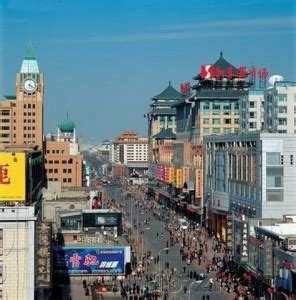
x=216, y=130
x=206, y=121
x=253, y=114
x=273, y=158
x=226, y=130
x=282, y=121
x=56, y=170
x=236, y=106
x=216, y=121
x=282, y=97
x=206, y=130
x=283, y=109
x=69, y=170
x=227, y=121
x=252, y=104
x=206, y=105
x=64, y=170
x=274, y=195
x=216, y=106
x=69, y=180
x=274, y=177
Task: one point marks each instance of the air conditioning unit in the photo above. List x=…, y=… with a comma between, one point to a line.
x=290, y=244
x=85, y=229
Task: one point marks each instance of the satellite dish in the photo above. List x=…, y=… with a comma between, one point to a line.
x=275, y=78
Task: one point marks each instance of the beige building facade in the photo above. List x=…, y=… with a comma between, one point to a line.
x=63, y=161
x=21, y=115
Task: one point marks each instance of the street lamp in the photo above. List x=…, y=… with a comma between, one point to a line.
x=163, y=249
x=190, y=287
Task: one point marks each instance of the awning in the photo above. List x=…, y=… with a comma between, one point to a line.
x=192, y=208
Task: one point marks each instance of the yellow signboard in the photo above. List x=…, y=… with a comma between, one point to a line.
x=12, y=177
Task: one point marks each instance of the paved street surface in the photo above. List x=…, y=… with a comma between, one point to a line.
x=155, y=239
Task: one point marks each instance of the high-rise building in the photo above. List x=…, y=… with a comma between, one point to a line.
x=251, y=111
x=63, y=161
x=280, y=107
x=21, y=115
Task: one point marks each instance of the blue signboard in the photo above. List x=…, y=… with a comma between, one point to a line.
x=89, y=260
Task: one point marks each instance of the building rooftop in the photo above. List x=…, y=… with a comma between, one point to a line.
x=29, y=64
x=163, y=111
x=169, y=93
x=165, y=134
x=282, y=229
x=67, y=126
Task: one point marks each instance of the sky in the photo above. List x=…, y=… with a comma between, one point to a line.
x=104, y=60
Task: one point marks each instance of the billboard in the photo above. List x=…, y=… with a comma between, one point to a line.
x=12, y=177
x=89, y=260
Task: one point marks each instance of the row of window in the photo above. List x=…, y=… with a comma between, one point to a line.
x=56, y=171
x=64, y=179
x=218, y=121
x=217, y=130
x=219, y=106
x=29, y=114
x=55, y=151
x=56, y=162
x=29, y=106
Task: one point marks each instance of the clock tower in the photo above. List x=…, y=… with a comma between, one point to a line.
x=27, y=117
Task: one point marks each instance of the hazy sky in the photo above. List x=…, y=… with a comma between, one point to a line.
x=104, y=60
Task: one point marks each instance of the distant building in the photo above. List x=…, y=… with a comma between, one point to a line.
x=21, y=120
x=129, y=152
x=280, y=107
x=63, y=161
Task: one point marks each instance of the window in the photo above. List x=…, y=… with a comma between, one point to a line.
x=64, y=170
x=69, y=170
x=206, y=121
x=216, y=106
x=33, y=121
x=294, y=109
x=252, y=104
x=33, y=105
x=206, y=105
x=5, y=112
x=274, y=177
x=273, y=158
x=283, y=109
x=53, y=151
x=282, y=121
x=282, y=159
x=56, y=162
x=1, y=241
x=291, y=159
x=216, y=121
x=70, y=161
x=216, y=130
x=227, y=121
x=236, y=106
x=252, y=114
x=56, y=170
x=29, y=105
x=55, y=179
x=64, y=179
x=69, y=180
x=47, y=151
x=282, y=97
x=25, y=135
x=282, y=131
x=206, y=130
x=274, y=195
x=25, y=113
x=236, y=121
x=50, y=171
x=25, y=105
x=64, y=161
x=58, y=151
x=226, y=130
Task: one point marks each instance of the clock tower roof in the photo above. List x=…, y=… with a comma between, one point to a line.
x=29, y=64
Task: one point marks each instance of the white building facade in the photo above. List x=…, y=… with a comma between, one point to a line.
x=252, y=111
x=17, y=253
x=280, y=107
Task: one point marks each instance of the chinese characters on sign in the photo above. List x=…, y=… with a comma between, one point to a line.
x=215, y=72
x=4, y=179
x=185, y=87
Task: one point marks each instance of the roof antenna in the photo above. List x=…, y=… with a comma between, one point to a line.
x=67, y=114
x=169, y=83
x=221, y=54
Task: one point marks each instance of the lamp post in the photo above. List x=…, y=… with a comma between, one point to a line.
x=148, y=228
x=163, y=249
x=190, y=287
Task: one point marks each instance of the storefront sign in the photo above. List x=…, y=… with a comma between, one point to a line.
x=89, y=260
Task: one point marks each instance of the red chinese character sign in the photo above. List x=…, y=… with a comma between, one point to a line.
x=4, y=179
x=185, y=88
x=207, y=72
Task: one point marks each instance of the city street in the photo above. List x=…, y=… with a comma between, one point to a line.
x=155, y=240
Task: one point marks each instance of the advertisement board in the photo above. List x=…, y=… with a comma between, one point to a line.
x=89, y=260
x=12, y=177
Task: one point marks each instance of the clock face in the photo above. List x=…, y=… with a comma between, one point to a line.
x=30, y=85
